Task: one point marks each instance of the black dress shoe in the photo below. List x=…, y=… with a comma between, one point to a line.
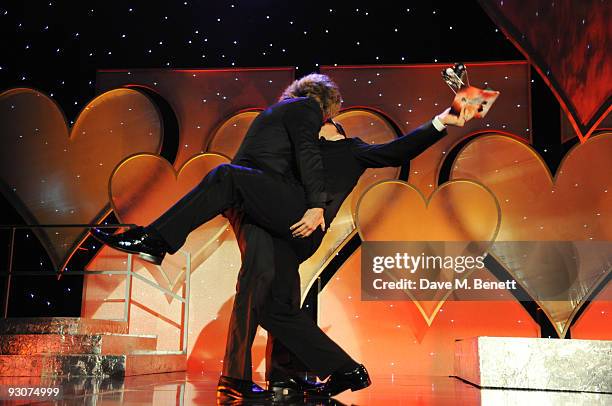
x=238, y=389
x=292, y=388
x=338, y=382
x=137, y=240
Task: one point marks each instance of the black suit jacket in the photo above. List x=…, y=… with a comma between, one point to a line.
x=283, y=141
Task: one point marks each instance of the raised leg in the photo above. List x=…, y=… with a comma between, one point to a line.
x=271, y=203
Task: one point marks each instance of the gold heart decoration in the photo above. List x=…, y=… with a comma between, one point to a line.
x=158, y=187
x=460, y=210
x=229, y=135
x=55, y=175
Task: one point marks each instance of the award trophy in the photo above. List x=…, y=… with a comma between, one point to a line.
x=476, y=101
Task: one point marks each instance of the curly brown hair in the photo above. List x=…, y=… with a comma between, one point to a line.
x=321, y=88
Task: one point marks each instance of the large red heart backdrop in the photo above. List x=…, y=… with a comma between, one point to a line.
x=568, y=42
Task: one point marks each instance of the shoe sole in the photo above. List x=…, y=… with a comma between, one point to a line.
x=143, y=255
x=150, y=258
x=229, y=396
x=353, y=388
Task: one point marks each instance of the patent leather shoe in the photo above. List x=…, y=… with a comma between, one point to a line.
x=233, y=389
x=338, y=382
x=137, y=240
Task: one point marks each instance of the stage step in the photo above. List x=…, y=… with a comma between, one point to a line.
x=108, y=343
x=535, y=363
x=61, y=325
x=77, y=347
x=51, y=365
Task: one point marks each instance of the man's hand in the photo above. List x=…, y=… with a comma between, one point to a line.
x=466, y=114
x=312, y=219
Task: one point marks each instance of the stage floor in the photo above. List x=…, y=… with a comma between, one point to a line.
x=180, y=388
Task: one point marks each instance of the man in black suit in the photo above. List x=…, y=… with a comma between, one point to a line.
x=276, y=178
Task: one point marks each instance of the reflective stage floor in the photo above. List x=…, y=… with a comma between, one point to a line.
x=180, y=388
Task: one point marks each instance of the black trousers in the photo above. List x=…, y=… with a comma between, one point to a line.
x=259, y=207
x=253, y=286
x=296, y=344
x=268, y=294
x=271, y=203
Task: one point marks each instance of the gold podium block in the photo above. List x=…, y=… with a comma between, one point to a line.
x=535, y=363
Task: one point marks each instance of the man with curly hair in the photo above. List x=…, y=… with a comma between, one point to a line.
x=279, y=158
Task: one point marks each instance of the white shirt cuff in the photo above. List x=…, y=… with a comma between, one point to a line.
x=438, y=124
